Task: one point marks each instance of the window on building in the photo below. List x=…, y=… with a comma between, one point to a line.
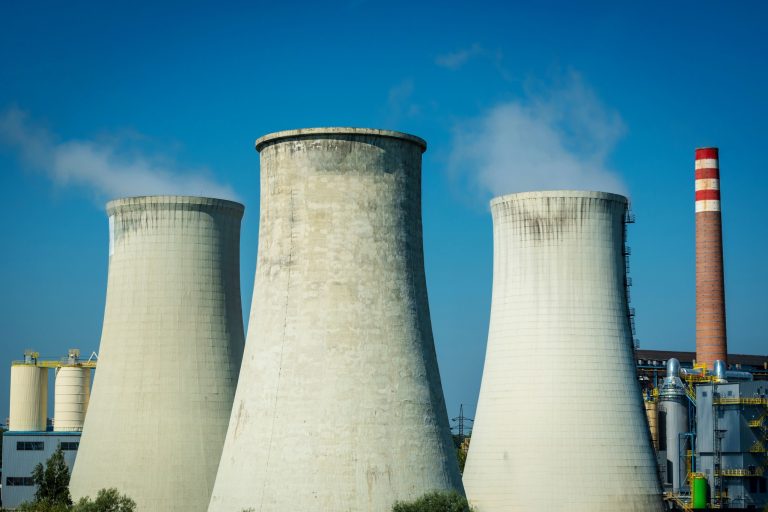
x=12, y=481
x=30, y=445
x=763, y=485
x=69, y=446
x=753, y=485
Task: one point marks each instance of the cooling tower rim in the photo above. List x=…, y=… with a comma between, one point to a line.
x=135, y=203
x=337, y=130
x=542, y=194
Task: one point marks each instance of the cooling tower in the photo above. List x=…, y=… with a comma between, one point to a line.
x=72, y=392
x=339, y=406
x=29, y=398
x=711, y=343
x=560, y=423
x=170, y=350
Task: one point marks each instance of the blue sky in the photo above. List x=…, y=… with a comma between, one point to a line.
x=105, y=99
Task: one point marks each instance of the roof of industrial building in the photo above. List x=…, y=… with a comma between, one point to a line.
x=756, y=361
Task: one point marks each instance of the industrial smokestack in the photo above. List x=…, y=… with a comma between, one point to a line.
x=711, y=342
x=339, y=404
x=170, y=350
x=560, y=406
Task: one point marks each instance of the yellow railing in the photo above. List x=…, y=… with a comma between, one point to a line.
x=678, y=500
x=741, y=472
x=743, y=400
x=55, y=364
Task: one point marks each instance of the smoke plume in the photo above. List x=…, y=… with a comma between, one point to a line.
x=102, y=167
x=560, y=139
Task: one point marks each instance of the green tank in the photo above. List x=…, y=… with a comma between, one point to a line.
x=699, y=492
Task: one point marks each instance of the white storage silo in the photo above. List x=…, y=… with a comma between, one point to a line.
x=170, y=350
x=72, y=392
x=560, y=423
x=29, y=398
x=339, y=405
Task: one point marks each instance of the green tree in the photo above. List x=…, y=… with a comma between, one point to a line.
x=43, y=506
x=107, y=500
x=52, y=481
x=435, y=502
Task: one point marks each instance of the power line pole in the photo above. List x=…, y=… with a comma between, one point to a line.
x=461, y=419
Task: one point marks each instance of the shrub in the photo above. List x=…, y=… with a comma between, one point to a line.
x=107, y=500
x=435, y=502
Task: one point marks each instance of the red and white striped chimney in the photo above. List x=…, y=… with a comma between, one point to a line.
x=711, y=343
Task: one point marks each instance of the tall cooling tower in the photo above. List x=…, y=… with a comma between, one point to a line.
x=339, y=406
x=29, y=398
x=170, y=350
x=560, y=423
x=711, y=341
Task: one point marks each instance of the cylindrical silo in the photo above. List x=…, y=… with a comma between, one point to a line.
x=72, y=392
x=29, y=398
x=560, y=406
x=339, y=404
x=170, y=350
x=673, y=411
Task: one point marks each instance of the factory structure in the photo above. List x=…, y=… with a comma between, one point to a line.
x=708, y=416
x=336, y=403
x=31, y=439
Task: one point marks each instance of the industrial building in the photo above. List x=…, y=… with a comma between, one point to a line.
x=339, y=405
x=30, y=440
x=708, y=416
x=711, y=434
x=560, y=422
x=170, y=351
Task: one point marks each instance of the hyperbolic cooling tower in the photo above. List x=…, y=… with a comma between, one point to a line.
x=560, y=424
x=170, y=350
x=29, y=398
x=339, y=406
x=711, y=342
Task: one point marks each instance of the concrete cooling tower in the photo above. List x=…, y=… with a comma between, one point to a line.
x=170, y=350
x=560, y=423
x=339, y=406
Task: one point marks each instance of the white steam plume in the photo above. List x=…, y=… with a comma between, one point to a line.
x=100, y=166
x=558, y=140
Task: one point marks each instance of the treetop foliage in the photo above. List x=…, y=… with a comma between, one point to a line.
x=435, y=502
x=52, y=481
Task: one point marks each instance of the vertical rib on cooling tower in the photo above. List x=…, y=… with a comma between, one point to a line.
x=170, y=350
x=560, y=424
x=339, y=406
